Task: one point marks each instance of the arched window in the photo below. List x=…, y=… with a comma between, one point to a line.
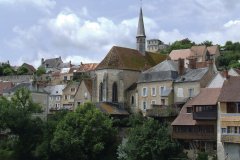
x=132, y=100
x=101, y=92
x=114, y=92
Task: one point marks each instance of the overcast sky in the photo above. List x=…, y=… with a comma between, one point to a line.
x=85, y=30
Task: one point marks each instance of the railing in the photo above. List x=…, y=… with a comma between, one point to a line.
x=232, y=138
x=194, y=135
x=211, y=115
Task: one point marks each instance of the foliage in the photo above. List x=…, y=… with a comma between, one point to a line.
x=6, y=69
x=22, y=70
x=84, y=134
x=206, y=43
x=40, y=71
x=24, y=132
x=148, y=141
x=202, y=156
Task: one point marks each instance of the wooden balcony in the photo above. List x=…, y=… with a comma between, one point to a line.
x=194, y=135
x=211, y=115
x=230, y=138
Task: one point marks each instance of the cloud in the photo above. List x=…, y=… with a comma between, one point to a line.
x=44, y=5
x=232, y=23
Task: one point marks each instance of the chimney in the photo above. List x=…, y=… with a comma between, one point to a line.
x=42, y=61
x=192, y=63
x=180, y=67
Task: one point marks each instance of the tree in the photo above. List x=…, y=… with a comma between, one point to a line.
x=207, y=43
x=24, y=131
x=84, y=134
x=41, y=70
x=22, y=70
x=148, y=141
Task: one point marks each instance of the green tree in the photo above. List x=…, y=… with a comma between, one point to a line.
x=40, y=71
x=148, y=141
x=22, y=70
x=24, y=131
x=207, y=43
x=84, y=134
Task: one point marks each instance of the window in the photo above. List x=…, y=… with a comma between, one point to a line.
x=144, y=92
x=189, y=109
x=190, y=92
x=65, y=97
x=180, y=92
x=162, y=88
x=85, y=95
x=153, y=91
x=78, y=103
x=223, y=130
x=114, y=92
x=58, y=98
x=132, y=100
x=153, y=102
x=144, y=105
x=162, y=101
x=72, y=97
x=65, y=78
x=72, y=89
x=101, y=92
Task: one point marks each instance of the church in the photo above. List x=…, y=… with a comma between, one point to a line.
x=120, y=69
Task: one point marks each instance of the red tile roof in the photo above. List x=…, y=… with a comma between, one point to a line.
x=181, y=53
x=87, y=67
x=207, y=96
x=230, y=90
x=5, y=86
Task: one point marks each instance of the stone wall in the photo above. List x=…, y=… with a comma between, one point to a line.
x=17, y=78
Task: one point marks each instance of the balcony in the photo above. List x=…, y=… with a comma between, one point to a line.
x=230, y=138
x=194, y=135
x=211, y=115
x=162, y=111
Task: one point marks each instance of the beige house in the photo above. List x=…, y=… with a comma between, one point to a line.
x=68, y=95
x=155, y=87
x=84, y=92
x=188, y=85
x=228, y=137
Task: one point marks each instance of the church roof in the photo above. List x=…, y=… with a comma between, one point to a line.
x=129, y=59
x=140, y=30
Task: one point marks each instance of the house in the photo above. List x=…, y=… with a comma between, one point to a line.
x=155, y=88
x=52, y=65
x=84, y=92
x=85, y=70
x=202, y=54
x=121, y=68
x=55, y=97
x=155, y=45
x=68, y=95
x=5, y=85
x=30, y=69
x=196, y=125
x=188, y=84
x=228, y=137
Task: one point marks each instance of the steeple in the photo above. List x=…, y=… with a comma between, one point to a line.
x=141, y=34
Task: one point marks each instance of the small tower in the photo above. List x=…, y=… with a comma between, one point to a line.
x=141, y=37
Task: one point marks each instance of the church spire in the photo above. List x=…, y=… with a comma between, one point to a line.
x=141, y=34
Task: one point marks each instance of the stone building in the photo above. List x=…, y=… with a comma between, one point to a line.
x=155, y=45
x=84, y=92
x=121, y=68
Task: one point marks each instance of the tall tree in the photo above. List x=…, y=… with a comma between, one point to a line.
x=148, y=141
x=84, y=134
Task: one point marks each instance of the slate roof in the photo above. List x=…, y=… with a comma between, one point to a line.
x=192, y=75
x=129, y=59
x=132, y=87
x=140, y=30
x=55, y=90
x=52, y=63
x=166, y=92
x=166, y=70
x=15, y=88
x=230, y=90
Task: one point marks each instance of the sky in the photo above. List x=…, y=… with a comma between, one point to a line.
x=85, y=30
